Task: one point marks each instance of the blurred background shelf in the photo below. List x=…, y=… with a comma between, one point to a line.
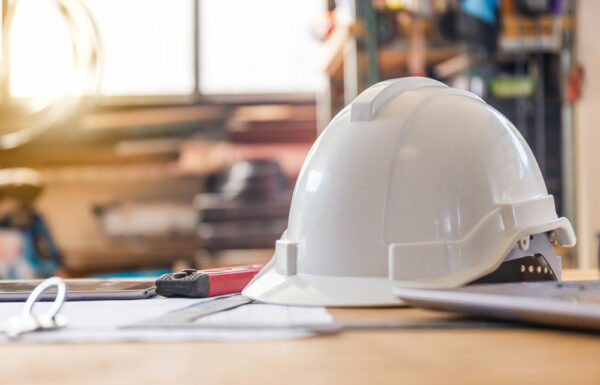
x=185, y=99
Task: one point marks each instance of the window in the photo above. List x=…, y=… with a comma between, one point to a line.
x=148, y=46
x=258, y=46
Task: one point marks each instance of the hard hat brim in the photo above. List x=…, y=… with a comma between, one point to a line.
x=311, y=290
x=273, y=286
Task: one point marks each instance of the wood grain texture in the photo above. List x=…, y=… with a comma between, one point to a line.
x=493, y=356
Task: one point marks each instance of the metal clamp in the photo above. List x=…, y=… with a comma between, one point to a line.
x=28, y=321
x=61, y=293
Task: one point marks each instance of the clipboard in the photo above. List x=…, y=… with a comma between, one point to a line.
x=81, y=289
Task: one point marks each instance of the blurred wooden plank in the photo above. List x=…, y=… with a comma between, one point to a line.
x=394, y=59
x=273, y=123
x=202, y=157
x=148, y=117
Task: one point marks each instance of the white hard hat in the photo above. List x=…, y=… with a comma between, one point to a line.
x=413, y=184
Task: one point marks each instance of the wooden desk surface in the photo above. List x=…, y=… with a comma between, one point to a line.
x=477, y=356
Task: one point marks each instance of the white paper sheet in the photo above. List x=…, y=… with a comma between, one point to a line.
x=103, y=321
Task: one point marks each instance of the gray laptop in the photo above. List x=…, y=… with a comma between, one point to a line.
x=572, y=304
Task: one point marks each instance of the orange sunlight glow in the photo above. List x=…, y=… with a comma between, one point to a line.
x=42, y=62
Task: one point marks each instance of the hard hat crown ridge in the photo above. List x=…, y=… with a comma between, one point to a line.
x=413, y=184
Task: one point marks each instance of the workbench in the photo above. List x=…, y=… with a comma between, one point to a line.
x=514, y=355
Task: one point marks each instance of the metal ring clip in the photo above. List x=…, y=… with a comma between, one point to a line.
x=61, y=292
